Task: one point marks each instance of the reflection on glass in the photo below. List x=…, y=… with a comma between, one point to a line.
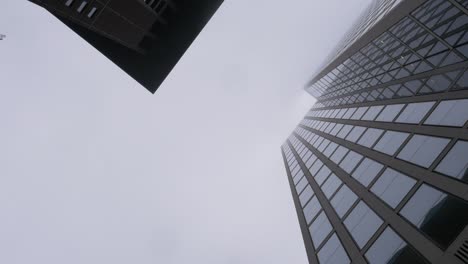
x=455, y=163
x=440, y=216
x=390, y=248
x=333, y=252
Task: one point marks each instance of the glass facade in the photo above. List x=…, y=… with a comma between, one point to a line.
x=379, y=165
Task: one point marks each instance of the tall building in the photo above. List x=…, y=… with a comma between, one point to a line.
x=378, y=166
x=145, y=38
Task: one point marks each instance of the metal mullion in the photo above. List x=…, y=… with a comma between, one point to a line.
x=457, y=5
x=349, y=78
x=311, y=256
x=415, y=238
x=428, y=74
x=438, y=131
x=436, y=36
x=347, y=241
x=457, y=94
x=459, y=66
x=446, y=183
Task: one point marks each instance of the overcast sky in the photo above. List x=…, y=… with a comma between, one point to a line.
x=94, y=169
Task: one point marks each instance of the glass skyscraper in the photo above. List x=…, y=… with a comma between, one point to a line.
x=378, y=166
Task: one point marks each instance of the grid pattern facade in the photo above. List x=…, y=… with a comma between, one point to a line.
x=377, y=10
x=431, y=37
x=378, y=168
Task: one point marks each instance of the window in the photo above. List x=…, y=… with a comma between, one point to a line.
x=336, y=129
x=319, y=229
x=82, y=6
x=372, y=113
x=91, y=12
x=370, y=137
x=391, y=142
x=449, y=113
x=350, y=161
x=341, y=113
x=329, y=150
x=440, y=216
x=392, y=187
x=322, y=175
x=324, y=144
x=362, y=223
x=349, y=113
x=343, y=200
x=329, y=128
x=455, y=163
x=331, y=185
x=306, y=195
x=339, y=154
x=311, y=209
x=69, y=2
x=438, y=83
x=354, y=135
x=298, y=177
x=301, y=185
x=367, y=171
x=423, y=150
x=311, y=161
x=316, y=167
x=389, y=113
x=333, y=252
x=415, y=112
x=359, y=113
x=344, y=131
x=390, y=248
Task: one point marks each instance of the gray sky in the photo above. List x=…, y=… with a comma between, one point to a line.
x=94, y=169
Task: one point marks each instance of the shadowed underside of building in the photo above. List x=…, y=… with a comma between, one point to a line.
x=145, y=38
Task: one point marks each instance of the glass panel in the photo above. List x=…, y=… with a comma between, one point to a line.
x=306, y=195
x=389, y=113
x=329, y=150
x=350, y=161
x=311, y=209
x=423, y=150
x=344, y=131
x=366, y=171
x=372, y=113
x=392, y=186
x=343, y=200
x=322, y=175
x=333, y=252
x=440, y=216
x=415, y=112
x=449, y=113
x=319, y=229
x=354, y=135
x=336, y=129
x=359, y=113
x=455, y=163
x=390, y=248
x=370, y=137
x=331, y=185
x=301, y=185
x=391, y=142
x=311, y=161
x=339, y=154
x=349, y=113
x=316, y=167
x=362, y=223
